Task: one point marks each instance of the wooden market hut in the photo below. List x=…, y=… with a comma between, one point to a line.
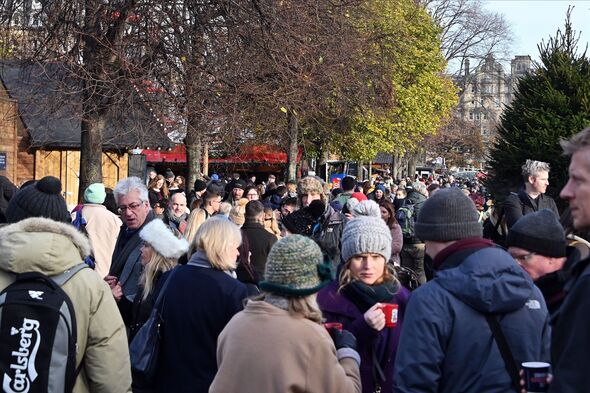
x=40, y=128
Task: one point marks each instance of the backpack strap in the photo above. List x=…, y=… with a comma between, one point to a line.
x=505, y=351
x=61, y=279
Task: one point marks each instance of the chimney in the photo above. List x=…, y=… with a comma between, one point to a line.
x=466, y=67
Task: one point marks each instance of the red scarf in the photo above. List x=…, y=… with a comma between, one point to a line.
x=459, y=245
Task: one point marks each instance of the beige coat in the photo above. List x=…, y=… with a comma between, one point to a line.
x=103, y=228
x=49, y=247
x=264, y=349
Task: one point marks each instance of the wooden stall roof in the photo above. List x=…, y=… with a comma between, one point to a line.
x=49, y=104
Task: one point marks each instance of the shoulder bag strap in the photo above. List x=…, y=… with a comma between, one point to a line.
x=509, y=361
x=499, y=222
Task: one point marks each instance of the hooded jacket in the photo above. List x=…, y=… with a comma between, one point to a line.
x=447, y=346
x=49, y=247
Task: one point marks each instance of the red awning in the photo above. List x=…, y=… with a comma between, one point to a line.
x=177, y=154
x=250, y=154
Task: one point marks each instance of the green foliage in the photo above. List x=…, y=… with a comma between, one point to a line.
x=552, y=103
x=408, y=47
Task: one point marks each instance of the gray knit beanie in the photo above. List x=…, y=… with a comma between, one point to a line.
x=295, y=267
x=538, y=232
x=448, y=215
x=366, y=235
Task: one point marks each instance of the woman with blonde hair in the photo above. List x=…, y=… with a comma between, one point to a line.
x=199, y=301
x=159, y=254
x=270, y=222
x=366, y=282
x=157, y=190
x=285, y=323
x=193, y=223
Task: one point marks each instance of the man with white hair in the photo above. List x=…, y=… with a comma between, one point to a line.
x=531, y=197
x=131, y=196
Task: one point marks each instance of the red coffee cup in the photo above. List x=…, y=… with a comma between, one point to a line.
x=333, y=325
x=390, y=311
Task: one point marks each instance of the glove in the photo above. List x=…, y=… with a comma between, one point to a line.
x=343, y=339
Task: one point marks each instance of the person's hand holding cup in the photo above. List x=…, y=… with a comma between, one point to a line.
x=535, y=377
x=375, y=317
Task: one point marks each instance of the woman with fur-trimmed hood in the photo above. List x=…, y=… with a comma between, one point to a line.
x=41, y=239
x=159, y=254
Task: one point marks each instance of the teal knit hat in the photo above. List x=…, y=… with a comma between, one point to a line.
x=295, y=267
x=95, y=193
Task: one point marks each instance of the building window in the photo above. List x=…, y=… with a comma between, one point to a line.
x=473, y=88
x=485, y=116
x=477, y=116
x=470, y=115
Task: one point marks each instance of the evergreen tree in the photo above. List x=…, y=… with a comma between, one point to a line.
x=551, y=103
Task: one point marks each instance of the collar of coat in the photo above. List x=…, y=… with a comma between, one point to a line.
x=41, y=244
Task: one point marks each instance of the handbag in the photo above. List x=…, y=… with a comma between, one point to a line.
x=144, y=350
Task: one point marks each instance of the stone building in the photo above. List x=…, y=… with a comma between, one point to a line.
x=487, y=90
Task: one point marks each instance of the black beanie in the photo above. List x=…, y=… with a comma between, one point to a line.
x=448, y=215
x=200, y=185
x=300, y=222
x=538, y=232
x=42, y=199
x=169, y=174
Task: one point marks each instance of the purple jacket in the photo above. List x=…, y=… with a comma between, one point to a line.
x=337, y=308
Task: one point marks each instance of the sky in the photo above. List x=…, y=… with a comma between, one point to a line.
x=535, y=20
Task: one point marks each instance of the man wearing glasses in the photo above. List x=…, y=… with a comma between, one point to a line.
x=537, y=243
x=131, y=196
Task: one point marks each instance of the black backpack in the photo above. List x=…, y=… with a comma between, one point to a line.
x=38, y=334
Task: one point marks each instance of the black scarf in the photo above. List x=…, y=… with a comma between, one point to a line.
x=366, y=296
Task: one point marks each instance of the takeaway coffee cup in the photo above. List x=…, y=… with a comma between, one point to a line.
x=333, y=325
x=535, y=376
x=390, y=311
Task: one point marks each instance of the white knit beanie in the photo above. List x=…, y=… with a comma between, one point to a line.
x=366, y=235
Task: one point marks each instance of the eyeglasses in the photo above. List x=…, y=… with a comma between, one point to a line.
x=251, y=194
x=525, y=257
x=132, y=207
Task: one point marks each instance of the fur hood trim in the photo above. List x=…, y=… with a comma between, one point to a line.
x=41, y=224
x=161, y=238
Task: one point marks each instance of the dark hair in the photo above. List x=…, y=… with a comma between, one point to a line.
x=281, y=191
x=292, y=201
x=254, y=209
x=348, y=183
x=209, y=196
x=432, y=187
x=391, y=210
x=251, y=187
x=109, y=201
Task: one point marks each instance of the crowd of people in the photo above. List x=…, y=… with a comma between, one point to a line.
x=388, y=285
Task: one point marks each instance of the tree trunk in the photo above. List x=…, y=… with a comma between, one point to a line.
x=293, y=134
x=193, y=160
x=412, y=162
x=193, y=143
x=92, y=127
x=206, y=159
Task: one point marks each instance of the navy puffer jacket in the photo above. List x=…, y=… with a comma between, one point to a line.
x=446, y=344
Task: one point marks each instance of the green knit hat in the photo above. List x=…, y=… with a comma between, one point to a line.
x=295, y=267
